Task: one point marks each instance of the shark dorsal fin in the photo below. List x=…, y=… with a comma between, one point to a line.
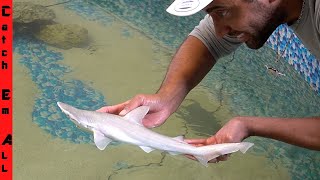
x=137, y=114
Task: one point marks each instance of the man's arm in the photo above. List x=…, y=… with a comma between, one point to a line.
x=304, y=132
x=193, y=60
x=188, y=67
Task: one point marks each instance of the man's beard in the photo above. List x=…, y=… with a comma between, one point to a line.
x=274, y=19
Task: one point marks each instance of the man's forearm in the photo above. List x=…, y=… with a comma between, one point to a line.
x=188, y=67
x=303, y=132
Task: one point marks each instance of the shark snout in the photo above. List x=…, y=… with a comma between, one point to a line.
x=66, y=109
x=74, y=114
x=70, y=111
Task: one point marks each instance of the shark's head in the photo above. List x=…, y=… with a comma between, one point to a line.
x=76, y=115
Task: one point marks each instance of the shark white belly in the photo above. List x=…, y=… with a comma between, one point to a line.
x=129, y=129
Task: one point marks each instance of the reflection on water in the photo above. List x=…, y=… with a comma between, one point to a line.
x=128, y=49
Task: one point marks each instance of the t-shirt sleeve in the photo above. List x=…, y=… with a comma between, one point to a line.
x=218, y=47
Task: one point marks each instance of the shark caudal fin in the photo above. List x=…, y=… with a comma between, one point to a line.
x=211, y=152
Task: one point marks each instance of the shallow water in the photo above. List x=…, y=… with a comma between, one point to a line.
x=131, y=44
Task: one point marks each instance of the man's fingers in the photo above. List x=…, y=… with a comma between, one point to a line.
x=113, y=109
x=103, y=109
x=212, y=140
x=153, y=120
x=195, y=141
x=208, y=141
x=110, y=109
x=132, y=104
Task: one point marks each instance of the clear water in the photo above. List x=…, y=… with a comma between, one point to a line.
x=131, y=44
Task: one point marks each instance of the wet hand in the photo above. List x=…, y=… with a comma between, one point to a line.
x=160, y=108
x=233, y=132
x=115, y=109
x=204, y=142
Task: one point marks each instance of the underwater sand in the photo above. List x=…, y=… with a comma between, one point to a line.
x=121, y=67
x=39, y=156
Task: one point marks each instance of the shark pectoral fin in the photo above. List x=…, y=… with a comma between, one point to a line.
x=137, y=114
x=100, y=140
x=146, y=149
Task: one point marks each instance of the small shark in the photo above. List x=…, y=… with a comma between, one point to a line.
x=129, y=129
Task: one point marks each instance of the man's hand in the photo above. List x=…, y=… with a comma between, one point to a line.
x=232, y=132
x=161, y=107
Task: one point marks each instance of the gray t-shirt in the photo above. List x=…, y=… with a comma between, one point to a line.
x=308, y=30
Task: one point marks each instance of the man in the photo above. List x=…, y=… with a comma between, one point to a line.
x=230, y=23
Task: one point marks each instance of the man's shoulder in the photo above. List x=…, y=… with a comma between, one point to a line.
x=207, y=18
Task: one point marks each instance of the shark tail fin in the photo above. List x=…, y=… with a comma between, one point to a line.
x=211, y=155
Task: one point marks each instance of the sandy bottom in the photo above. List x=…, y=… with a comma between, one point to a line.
x=121, y=67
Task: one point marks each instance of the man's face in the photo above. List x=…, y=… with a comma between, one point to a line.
x=251, y=22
